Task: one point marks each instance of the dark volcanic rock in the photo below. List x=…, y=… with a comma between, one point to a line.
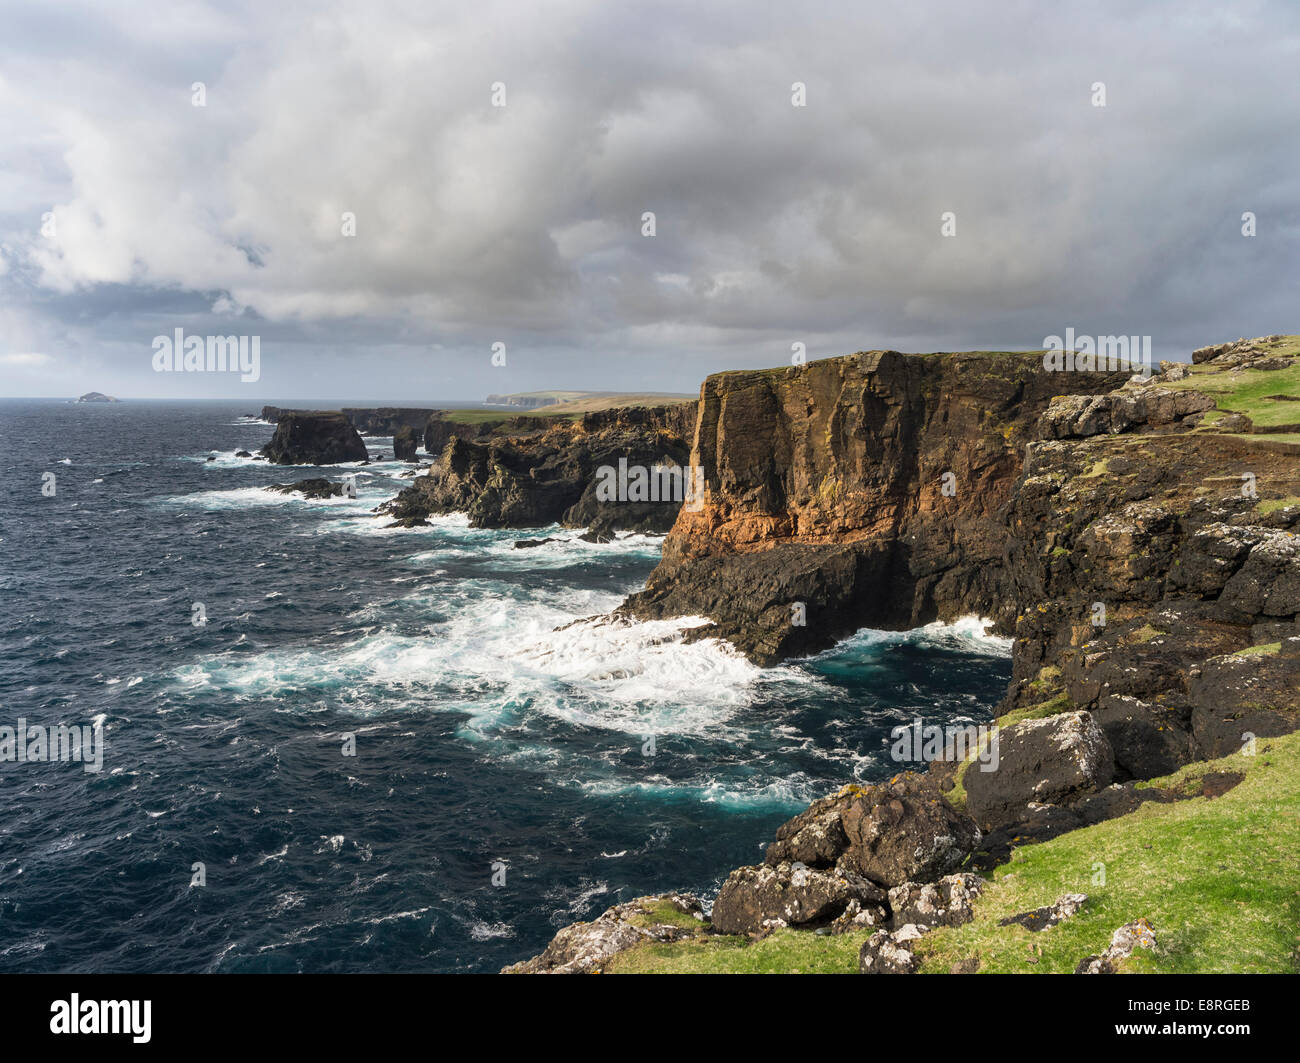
x=904, y=831
x=754, y=899
x=1049, y=915
x=1052, y=760
x=1148, y=739
x=317, y=487
x=552, y=476
x=316, y=438
x=1248, y=693
x=404, y=444
x=869, y=489
x=816, y=836
x=891, y=833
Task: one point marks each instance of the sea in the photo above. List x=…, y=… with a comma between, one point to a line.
x=331, y=745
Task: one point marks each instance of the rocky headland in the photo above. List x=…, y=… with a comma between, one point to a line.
x=535, y=471
x=1137, y=537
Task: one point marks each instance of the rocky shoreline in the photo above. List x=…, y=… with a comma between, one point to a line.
x=1138, y=541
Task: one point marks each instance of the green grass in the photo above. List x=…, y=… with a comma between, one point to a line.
x=784, y=952
x=1248, y=391
x=1219, y=879
x=1271, y=504
x=476, y=416
x=664, y=913
x=1264, y=649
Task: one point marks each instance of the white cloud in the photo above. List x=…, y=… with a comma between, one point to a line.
x=474, y=221
x=25, y=360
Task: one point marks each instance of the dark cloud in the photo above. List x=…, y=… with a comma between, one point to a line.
x=774, y=223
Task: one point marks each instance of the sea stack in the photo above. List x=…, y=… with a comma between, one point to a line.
x=314, y=438
x=404, y=443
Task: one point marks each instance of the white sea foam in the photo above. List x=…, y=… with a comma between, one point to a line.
x=967, y=633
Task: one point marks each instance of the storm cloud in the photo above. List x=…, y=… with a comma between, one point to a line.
x=522, y=223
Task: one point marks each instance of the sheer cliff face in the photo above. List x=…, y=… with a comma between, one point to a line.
x=1146, y=559
x=860, y=491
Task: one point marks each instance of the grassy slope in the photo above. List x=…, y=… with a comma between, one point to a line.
x=1248, y=392
x=1218, y=878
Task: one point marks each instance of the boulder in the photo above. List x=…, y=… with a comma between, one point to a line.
x=1148, y=740
x=1255, y=692
x=889, y=952
x=583, y=948
x=814, y=837
x=930, y=904
x=315, y=438
x=1049, y=915
x=1052, y=760
x=904, y=831
x=764, y=897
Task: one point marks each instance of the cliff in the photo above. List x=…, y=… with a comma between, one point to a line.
x=1138, y=538
x=531, y=472
x=869, y=490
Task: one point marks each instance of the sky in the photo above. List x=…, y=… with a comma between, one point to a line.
x=959, y=175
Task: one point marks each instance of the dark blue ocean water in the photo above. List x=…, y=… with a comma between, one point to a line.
x=482, y=734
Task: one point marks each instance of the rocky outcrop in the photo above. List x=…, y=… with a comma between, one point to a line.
x=557, y=474
x=314, y=488
x=315, y=438
x=1143, y=555
x=97, y=396
x=1137, y=934
x=1049, y=915
x=584, y=948
x=1242, y=353
x=1051, y=761
x=440, y=428
x=931, y=904
x=1079, y=416
x=404, y=444
x=767, y=897
x=899, y=831
x=864, y=491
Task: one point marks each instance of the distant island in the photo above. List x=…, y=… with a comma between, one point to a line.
x=97, y=396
